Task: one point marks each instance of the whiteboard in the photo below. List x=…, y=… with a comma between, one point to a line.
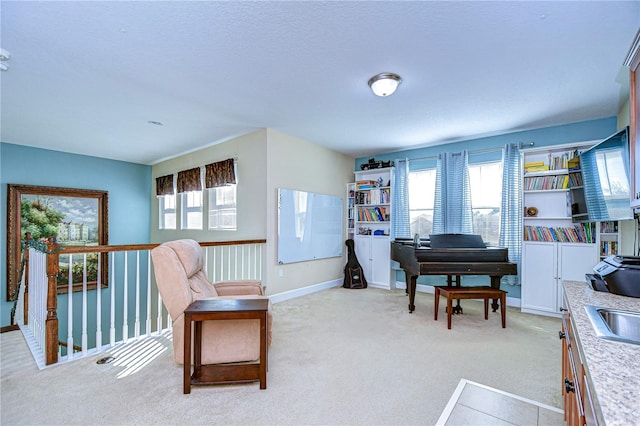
x=309, y=226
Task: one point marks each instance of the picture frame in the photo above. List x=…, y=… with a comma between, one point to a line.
x=76, y=217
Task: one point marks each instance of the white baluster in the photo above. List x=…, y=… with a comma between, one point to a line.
x=148, y=323
x=137, y=319
x=125, y=300
x=112, y=313
x=99, y=305
x=228, y=262
x=206, y=261
x=70, y=310
x=84, y=305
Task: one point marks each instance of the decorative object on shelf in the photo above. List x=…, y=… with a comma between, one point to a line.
x=384, y=84
x=373, y=164
x=532, y=211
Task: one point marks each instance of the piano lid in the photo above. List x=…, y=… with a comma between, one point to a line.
x=456, y=241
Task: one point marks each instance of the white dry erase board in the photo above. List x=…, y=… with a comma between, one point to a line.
x=309, y=226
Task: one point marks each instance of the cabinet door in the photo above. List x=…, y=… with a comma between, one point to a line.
x=381, y=260
x=363, y=253
x=575, y=260
x=539, y=276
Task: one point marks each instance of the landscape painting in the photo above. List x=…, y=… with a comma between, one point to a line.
x=74, y=217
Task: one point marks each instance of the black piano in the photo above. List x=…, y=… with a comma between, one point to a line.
x=451, y=255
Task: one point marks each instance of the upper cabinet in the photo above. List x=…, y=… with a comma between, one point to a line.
x=633, y=62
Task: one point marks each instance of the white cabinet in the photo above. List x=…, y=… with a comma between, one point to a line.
x=545, y=265
x=373, y=252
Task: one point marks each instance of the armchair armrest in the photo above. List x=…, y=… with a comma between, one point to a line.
x=239, y=287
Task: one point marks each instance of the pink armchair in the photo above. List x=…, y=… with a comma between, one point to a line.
x=181, y=280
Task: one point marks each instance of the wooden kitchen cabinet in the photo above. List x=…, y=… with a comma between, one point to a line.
x=633, y=62
x=577, y=401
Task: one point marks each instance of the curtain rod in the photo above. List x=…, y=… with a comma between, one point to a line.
x=480, y=151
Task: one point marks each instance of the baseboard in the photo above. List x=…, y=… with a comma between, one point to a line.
x=299, y=292
x=422, y=288
x=7, y=328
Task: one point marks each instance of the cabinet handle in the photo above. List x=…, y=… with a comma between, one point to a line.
x=568, y=385
x=561, y=335
x=563, y=309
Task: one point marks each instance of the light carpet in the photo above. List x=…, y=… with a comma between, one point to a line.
x=338, y=357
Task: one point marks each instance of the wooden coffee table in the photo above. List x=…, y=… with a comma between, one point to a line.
x=223, y=309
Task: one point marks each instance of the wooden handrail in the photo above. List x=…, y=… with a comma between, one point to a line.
x=126, y=247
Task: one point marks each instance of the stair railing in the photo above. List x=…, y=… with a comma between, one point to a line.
x=93, y=316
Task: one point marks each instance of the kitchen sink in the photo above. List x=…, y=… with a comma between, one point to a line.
x=615, y=324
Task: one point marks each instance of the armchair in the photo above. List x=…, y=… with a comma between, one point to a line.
x=181, y=281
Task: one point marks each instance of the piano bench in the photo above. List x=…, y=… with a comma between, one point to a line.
x=481, y=292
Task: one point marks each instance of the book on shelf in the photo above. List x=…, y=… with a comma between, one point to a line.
x=535, y=168
x=609, y=227
x=561, y=161
x=608, y=248
x=574, y=163
x=365, y=184
x=372, y=214
x=579, y=233
x=536, y=183
x=575, y=179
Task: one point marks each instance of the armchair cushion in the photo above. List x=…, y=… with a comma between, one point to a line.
x=240, y=287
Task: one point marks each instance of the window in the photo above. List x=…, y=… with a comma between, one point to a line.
x=222, y=208
x=167, y=211
x=486, y=195
x=191, y=209
x=422, y=185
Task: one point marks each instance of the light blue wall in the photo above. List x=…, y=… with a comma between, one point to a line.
x=548, y=136
x=128, y=184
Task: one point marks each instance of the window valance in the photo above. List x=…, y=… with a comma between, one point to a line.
x=164, y=185
x=220, y=174
x=189, y=180
x=217, y=174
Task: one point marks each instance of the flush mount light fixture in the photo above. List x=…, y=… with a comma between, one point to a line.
x=4, y=57
x=384, y=84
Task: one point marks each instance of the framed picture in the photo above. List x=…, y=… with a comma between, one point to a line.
x=75, y=217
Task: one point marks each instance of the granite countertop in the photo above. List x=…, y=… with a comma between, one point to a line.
x=612, y=368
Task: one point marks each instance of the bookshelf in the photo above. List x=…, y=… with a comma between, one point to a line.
x=555, y=247
x=369, y=223
x=351, y=211
x=609, y=243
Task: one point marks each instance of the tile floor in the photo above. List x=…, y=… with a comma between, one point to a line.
x=476, y=404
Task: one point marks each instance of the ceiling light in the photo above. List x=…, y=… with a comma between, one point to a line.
x=384, y=84
x=4, y=56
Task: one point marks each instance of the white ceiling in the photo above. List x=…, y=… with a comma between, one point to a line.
x=87, y=77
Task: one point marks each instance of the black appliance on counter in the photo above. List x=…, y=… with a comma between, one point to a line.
x=617, y=275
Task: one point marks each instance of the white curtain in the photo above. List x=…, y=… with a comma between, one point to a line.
x=511, y=209
x=400, y=201
x=452, y=204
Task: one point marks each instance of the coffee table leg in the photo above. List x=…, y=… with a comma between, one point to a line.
x=263, y=351
x=186, y=378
